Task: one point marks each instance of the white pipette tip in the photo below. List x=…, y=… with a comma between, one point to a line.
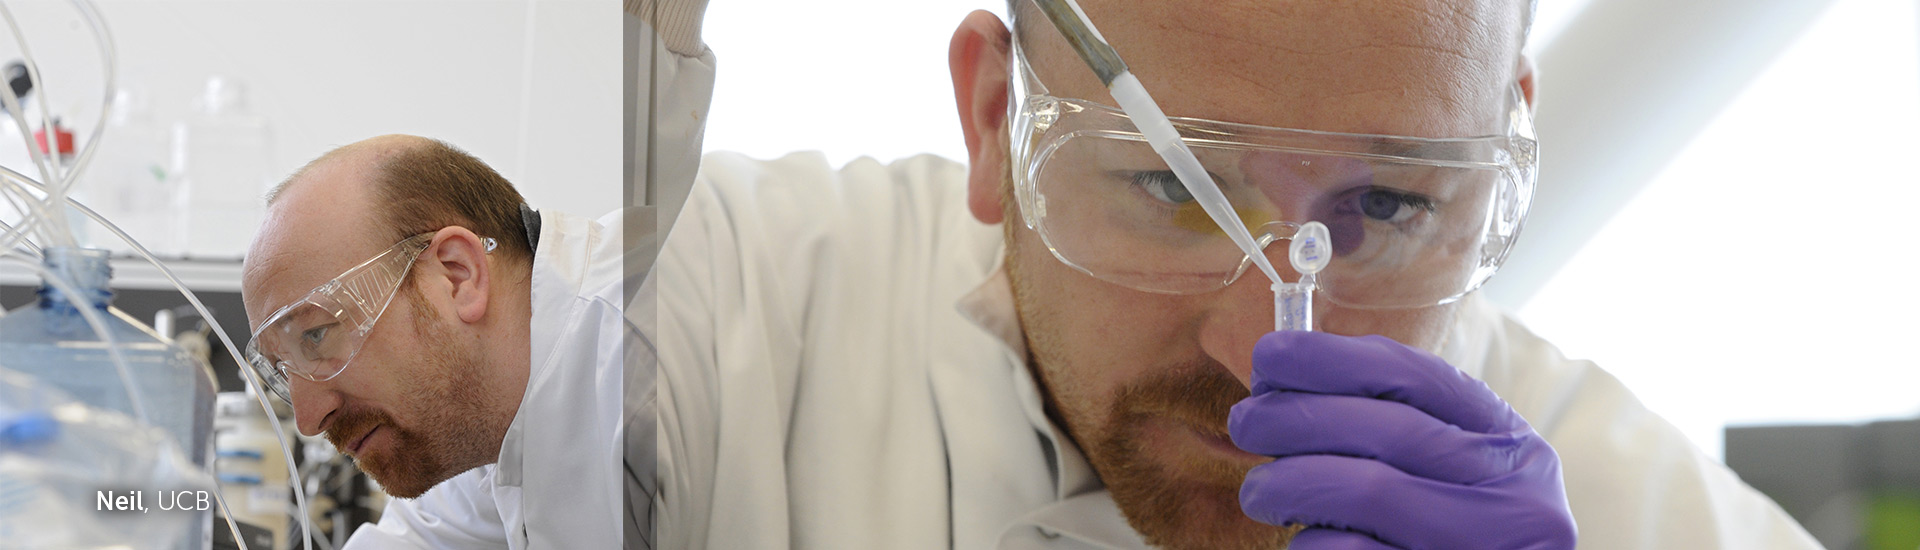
x=1159, y=132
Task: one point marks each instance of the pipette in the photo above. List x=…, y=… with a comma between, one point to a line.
x=1292, y=302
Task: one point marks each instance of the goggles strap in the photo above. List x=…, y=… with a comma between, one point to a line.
x=531, y=219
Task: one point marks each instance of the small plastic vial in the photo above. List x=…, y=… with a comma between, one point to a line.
x=1309, y=251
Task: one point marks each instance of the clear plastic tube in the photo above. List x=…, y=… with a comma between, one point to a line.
x=259, y=387
x=15, y=186
x=49, y=168
x=12, y=103
x=1309, y=250
x=27, y=248
x=226, y=513
x=30, y=207
x=57, y=233
x=120, y=365
x=1293, y=302
x=99, y=327
x=108, y=61
x=42, y=214
x=1153, y=125
x=1293, y=305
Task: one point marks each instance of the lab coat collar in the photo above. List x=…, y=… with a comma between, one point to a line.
x=558, y=272
x=991, y=307
x=1469, y=340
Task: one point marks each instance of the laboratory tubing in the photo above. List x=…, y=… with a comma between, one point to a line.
x=73, y=325
x=51, y=340
x=59, y=456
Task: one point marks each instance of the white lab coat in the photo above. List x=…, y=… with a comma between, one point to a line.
x=667, y=150
x=557, y=483
x=840, y=367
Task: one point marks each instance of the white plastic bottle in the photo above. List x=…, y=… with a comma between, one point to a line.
x=223, y=156
x=130, y=177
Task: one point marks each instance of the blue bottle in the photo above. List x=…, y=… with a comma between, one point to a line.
x=50, y=340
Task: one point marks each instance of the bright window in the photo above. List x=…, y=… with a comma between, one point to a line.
x=849, y=78
x=854, y=78
x=1767, y=275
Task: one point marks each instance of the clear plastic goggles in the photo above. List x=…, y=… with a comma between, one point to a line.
x=316, y=336
x=1414, y=222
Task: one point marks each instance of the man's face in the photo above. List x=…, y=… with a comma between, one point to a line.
x=409, y=408
x=1144, y=381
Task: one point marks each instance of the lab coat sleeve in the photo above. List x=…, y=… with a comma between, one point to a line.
x=1633, y=480
x=458, y=513
x=641, y=433
x=781, y=295
x=674, y=90
x=718, y=393
x=641, y=411
x=672, y=94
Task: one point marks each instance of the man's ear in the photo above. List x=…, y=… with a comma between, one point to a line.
x=1525, y=78
x=461, y=257
x=979, y=57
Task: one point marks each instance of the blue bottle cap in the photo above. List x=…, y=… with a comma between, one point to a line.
x=29, y=428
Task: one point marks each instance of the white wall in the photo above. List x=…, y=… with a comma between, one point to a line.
x=531, y=87
x=849, y=78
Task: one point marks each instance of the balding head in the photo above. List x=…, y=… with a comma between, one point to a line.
x=319, y=222
x=1300, y=64
x=367, y=153
x=428, y=388
x=358, y=199
x=414, y=185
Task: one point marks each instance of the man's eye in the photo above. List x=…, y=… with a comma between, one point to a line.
x=311, y=340
x=1164, y=186
x=1391, y=206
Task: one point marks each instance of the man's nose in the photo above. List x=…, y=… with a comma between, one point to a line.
x=1240, y=314
x=312, y=403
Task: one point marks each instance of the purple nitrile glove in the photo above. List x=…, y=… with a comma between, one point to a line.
x=1379, y=445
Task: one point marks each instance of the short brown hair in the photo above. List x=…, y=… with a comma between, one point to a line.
x=434, y=185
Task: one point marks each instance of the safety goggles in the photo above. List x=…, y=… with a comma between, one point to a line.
x=1415, y=222
x=316, y=336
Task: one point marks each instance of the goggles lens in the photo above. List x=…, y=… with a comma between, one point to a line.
x=317, y=336
x=1415, y=222
x=1405, y=234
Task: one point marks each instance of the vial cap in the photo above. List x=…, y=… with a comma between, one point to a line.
x=1311, y=249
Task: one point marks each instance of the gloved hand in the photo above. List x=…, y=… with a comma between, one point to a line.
x=1379, y=445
